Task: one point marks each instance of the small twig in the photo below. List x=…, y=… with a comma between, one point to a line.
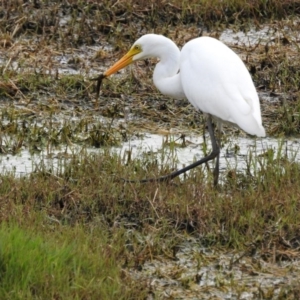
x=7, y=65
x=15, y=87
x=151, y=202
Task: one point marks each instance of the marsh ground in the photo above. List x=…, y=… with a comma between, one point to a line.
x=75, y=230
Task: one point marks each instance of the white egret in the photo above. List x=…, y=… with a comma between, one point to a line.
x=210, y=75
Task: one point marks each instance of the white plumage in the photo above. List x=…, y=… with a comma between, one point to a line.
x=207, y=72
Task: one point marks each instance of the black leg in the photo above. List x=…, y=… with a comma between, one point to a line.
x=217, y=166
x=204, y=141
x=216, y=170
x=214, y=153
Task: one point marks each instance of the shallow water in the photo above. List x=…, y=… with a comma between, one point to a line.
x=25, y=163
x=251, y=37
x=263, y=35
x=166, y=149
x=234, y=154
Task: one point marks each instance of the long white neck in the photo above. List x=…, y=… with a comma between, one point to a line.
x=166, y=77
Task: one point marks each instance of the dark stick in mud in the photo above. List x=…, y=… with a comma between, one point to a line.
x=99, y=81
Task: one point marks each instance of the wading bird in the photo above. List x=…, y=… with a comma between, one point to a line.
x=210, y=75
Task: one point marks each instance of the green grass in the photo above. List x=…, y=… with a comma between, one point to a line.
x=67, y=263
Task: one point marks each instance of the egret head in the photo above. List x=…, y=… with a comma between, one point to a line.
x=126, y=60
x=147, y=46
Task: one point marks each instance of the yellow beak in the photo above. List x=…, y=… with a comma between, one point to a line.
x=126, y=60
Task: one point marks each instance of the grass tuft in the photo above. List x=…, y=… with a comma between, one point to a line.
x=77, y=266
